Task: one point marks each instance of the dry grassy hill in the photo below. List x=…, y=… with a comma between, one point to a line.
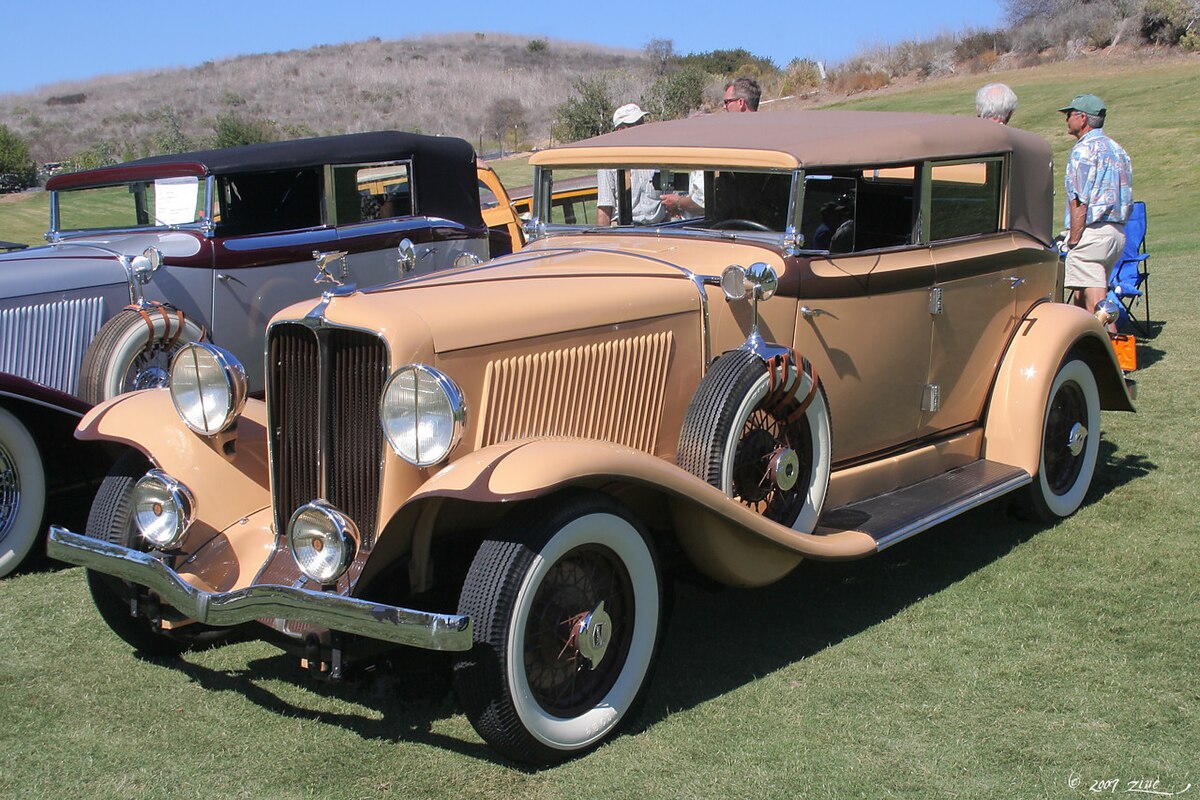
x=437, y=84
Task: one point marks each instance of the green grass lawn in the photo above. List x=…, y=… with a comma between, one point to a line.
x=988, y=658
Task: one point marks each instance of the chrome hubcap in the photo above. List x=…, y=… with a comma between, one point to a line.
x=150, y=378
x=785, y=468
x=1076, y=439
x=595, y=632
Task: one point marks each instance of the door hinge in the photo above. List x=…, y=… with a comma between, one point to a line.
x=935, y=300
x=931, y=399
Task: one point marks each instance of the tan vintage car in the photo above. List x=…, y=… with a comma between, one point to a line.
x=806, y=335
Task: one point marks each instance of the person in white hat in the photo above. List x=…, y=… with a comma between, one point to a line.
x=644, y=200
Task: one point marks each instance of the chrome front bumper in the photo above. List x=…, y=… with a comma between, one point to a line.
x=352, y=615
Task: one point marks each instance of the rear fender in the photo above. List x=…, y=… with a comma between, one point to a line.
x=1044, y=339
x=725, y=540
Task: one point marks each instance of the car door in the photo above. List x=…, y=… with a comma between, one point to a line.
x=979, y=278
x=864, y=319
x=376, y=210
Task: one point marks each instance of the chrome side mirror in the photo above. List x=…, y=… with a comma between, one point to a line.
x=758, y=280
x=144, y=266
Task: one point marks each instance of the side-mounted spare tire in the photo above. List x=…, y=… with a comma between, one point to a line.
x=759, y=431
x=133, y=350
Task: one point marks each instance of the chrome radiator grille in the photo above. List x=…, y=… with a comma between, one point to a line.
x=323, y=390
x=46, y=343
x=611, y=391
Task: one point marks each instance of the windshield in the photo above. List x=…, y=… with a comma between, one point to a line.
x=637, y=196
x=166, y=202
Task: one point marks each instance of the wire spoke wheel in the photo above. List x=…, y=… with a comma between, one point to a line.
x=565, y=600
x=564, y=680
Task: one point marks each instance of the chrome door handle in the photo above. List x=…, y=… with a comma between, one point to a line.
x=809, y=313
x=1014, y=281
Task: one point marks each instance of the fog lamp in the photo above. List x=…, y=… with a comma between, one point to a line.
x=163, y=508
x=323, y=541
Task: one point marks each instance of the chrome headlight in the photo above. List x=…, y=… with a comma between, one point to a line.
x=208, y=387
x=323, y=541
x=422, y=413
x=163, y=509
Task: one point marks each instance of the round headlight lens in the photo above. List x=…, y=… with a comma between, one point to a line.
x=323, y=541
x=422, y=413
x=208, y=387
x=163, y=509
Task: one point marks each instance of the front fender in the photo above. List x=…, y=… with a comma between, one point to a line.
x=1016, y=408
x=227, y=474
x=726, y=540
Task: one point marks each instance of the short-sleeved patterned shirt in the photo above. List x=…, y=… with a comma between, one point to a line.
x=1100, y=175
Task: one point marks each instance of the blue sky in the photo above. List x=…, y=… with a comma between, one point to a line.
x=71, y=39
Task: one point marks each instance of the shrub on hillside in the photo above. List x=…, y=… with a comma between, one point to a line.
x=537, y=46
x=730, y=63
x=976, y=44
x=231, y=130
x=588, y=113
x=1167, y=21
x=676, y=94
x=799, y=76
x=852, y=81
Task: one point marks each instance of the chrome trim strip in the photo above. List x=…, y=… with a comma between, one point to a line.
x=949, y=512
x=404, y=626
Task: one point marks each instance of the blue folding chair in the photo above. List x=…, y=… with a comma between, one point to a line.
x=1129, y=281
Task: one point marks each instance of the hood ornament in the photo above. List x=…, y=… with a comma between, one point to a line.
x=323, y=273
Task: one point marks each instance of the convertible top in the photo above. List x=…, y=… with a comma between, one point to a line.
x=795, y=139
x=443, y=166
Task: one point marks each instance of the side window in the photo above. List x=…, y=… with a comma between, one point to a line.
x=857, y=210
x=965, y=199
x=366, y=192
x=261, y=202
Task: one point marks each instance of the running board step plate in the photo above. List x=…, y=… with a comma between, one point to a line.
x=895, y=516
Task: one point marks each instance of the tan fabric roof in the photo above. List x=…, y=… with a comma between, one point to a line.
x=787, y=139
x=831, y=138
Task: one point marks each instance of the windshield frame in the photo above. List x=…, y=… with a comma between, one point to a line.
x=204, y=225
x=539, y=224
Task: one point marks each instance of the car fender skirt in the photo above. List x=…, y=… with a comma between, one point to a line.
x=710, y=526
x=1044, y=339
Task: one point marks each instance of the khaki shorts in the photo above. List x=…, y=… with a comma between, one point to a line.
x=1089, y=262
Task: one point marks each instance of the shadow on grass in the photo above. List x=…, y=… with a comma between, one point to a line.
x=408, y=699
x=715, y=641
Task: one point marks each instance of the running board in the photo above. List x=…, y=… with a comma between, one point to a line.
x=895, y=516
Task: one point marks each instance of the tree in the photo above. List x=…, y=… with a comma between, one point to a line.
x=16, y=170
x=661, y=53
x=506, y=115
x=588, y=113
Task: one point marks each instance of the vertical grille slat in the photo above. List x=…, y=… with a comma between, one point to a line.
x=46, y=343
x=326, y=441
x=612, y=391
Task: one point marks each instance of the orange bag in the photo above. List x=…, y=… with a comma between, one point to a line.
x=1126, y=349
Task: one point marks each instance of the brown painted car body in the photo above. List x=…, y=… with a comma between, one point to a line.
x=619, y=412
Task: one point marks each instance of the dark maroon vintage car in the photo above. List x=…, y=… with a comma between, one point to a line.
x=146, y=256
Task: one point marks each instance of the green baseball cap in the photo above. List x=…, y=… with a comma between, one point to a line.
x=1087, y=103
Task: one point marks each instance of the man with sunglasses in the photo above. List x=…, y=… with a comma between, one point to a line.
x=742, y=94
